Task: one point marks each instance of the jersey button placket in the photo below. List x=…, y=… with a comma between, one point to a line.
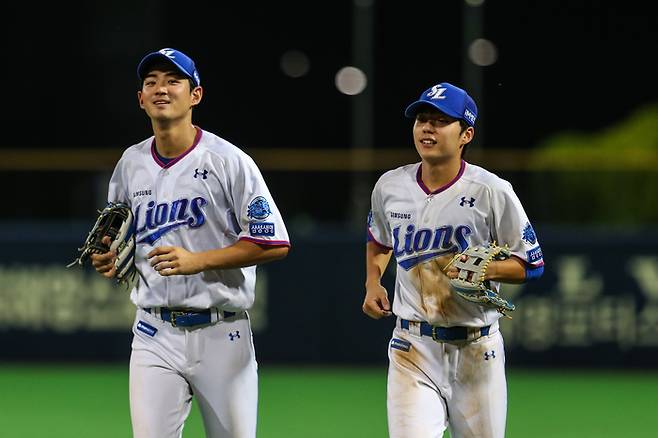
x=161, y=191
x=425, y=216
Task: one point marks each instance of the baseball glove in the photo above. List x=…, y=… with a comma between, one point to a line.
x=470, y=283
x=115, y=221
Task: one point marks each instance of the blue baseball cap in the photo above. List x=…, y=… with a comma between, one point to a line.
x=448, y=99
x=178, y=59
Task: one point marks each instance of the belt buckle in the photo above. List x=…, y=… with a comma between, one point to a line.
x=434, y=334
x=174, y=314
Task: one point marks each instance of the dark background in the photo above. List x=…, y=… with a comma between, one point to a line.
x=564, y=65
x=70, y=84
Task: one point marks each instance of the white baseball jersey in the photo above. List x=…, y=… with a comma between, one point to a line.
x=420, y=226
x=210, y=197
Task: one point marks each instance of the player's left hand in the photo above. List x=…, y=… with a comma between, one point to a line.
x=453, y=271
x=174, y=260
x=104, y=263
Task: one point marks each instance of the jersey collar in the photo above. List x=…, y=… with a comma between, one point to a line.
x=156, y=157
x=419, y=179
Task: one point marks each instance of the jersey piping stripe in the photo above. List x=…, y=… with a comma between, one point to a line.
x=372, y=239
x=266, y=242
x=419, y=179
x=154, y=154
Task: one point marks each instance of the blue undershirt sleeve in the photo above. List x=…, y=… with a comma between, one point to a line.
x=533, y=272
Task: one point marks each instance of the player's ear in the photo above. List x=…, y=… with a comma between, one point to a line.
x=197, y=95
x=468, y=134
x=139, y=98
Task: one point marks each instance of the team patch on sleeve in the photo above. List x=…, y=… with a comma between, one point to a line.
x=261, y=228
x=534, y=254
x=400, y=344
x=146, y=328
x=259, y=208
x=528, y=234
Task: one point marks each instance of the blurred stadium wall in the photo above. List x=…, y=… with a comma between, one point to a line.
x=593, y=207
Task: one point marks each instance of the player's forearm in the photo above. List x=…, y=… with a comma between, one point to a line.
x=242, y=253
x=511, y=270
x=377, y=259
x=373, y=274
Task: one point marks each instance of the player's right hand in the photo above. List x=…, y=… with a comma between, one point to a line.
x=104, y=263
x=376, y=303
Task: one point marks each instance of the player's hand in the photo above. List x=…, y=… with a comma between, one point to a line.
x=376, y=303
x=104, y=263
x=453, y=271
x=174, y=260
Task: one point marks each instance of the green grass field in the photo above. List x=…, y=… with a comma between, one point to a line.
x=92, y=401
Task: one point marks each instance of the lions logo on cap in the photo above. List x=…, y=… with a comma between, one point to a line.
x=259, y=208
x=437, y=92
x=169, y=53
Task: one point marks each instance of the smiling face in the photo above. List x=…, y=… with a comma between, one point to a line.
x=166, y=94
x=438, y=137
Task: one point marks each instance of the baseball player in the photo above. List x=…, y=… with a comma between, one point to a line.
x=204, y=218
x=446, y=355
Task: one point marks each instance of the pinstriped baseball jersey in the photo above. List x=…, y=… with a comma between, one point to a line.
x=209, y=197
x=424, y=228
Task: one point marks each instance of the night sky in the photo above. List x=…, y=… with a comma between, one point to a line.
x=71, y=81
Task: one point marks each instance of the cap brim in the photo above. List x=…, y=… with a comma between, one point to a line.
x=157, y=56
x=412, y=109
